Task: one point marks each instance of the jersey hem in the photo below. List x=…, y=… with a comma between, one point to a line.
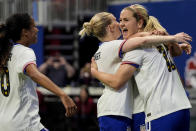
x=164, y=114
x=115, y=114
x=136, y=112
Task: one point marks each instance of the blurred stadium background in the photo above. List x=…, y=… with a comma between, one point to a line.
x=59, y=22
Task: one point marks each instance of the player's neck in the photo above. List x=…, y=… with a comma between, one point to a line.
x=22, y=42
x=108, y=38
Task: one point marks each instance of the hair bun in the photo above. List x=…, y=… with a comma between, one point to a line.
x=88, y=28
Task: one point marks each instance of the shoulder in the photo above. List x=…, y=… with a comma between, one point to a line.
x=22, y=49
x=113, y=42
x=136, y=51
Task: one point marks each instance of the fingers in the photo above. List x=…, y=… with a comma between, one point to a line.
x=186, y=47
x=71, y=110
x=92, y=59
x=93, y=64
x=186, y=37
x=69, y=105
x=158, y=32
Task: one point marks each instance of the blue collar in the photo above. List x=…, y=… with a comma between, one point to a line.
x=100, y=43
x=16, y=43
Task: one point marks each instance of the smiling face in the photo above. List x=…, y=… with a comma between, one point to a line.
x=128, y=23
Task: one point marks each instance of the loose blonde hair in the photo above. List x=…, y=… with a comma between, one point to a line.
x=150, y=23
x=97, y=25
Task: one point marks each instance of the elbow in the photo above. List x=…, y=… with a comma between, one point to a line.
x=35, y=76
x=117, y=85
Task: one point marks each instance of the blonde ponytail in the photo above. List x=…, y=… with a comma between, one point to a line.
x=153, y=24
x=97, y=25
x=87, y=29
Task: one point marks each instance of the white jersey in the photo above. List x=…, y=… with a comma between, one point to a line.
x=138, y=102
x=19, y=104
x=158, y=82
x=112, y=102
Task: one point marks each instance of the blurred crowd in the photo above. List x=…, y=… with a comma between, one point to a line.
x=62, y=73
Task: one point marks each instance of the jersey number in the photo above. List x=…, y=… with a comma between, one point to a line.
x=170, y=65
x=5, y=86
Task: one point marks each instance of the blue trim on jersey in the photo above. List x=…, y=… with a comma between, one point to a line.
x=135, y=65
x=120, y=52
x=17, y=44
x=130, y=63
x=138, y=120
x=177, y=121
x=100, y=43
x=44, y=129
x=114, y=123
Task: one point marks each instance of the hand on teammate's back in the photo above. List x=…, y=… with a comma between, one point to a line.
x=186, y=47
x=182, y=37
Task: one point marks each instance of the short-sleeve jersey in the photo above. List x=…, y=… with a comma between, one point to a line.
x=18, y=98
x=158, y=81
x=113, y=102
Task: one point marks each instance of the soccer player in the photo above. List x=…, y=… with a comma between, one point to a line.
x=18, y=99
x=137, y=19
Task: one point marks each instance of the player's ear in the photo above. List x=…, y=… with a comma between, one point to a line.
x=108, y=28
x=140, y=23
x=111, y=28
x=24, y=32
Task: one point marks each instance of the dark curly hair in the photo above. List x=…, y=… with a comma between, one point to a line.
x=11, y=32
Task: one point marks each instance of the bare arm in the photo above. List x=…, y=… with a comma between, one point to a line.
x=186, y=47
x=174, y=49
x=117, y=80
x=45, y=82
x=177, y=49
x=136, y=42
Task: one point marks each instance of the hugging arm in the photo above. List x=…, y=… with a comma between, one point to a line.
x=177, y=49
x=151, y=40
x=117, y=80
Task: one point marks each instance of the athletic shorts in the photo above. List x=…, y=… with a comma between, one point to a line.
x=114, y=123
x=138, y=122
x=177, y=121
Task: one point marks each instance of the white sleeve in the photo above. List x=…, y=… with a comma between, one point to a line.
x=116, y=47
x=26, y=58
x=133, y=58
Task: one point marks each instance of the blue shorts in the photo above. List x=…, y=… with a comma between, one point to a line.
x=114, y=123
x=138, y=121
x=177, y=121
